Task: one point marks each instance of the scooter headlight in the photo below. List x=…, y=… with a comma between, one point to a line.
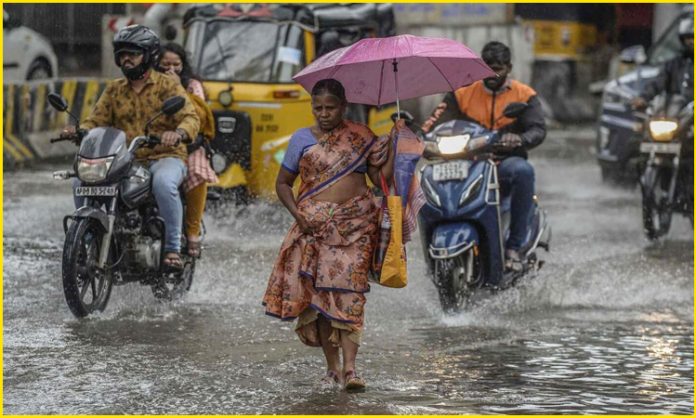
x=472, y=191
x=430, y=192
x=452, y=144
x=663, y=130
x=93, y=170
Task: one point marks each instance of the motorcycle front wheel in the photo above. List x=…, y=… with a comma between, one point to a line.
x=657, y=211
x=456, y=278
x=87, y=288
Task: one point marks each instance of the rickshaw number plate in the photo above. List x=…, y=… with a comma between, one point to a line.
x=95, y=191
x=452, y=170
x=660, y=148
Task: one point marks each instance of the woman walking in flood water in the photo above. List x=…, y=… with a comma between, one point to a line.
x=320, y=276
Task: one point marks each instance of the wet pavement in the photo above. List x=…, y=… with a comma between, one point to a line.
x=605, y=328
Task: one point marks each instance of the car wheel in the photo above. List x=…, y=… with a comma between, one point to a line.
x=39, y=69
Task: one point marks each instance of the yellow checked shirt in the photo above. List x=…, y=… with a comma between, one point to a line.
x=122, y=108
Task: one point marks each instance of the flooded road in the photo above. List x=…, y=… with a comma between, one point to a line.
x=605, y=328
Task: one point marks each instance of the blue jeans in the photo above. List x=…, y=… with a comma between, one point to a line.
x=167, y=175
x=516, y=177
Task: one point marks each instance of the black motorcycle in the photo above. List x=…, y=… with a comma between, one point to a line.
x=117, y=235
x=667, y=180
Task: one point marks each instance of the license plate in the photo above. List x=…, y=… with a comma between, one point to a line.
x=453, y=170
x=660, y=148
x=95, y=191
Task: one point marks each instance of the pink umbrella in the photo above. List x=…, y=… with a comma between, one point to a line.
x=378, y=71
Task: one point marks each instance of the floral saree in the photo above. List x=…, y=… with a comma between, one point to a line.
x=326, y=273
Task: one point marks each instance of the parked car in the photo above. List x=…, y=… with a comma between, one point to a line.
x=620, y=128
x=27, y=55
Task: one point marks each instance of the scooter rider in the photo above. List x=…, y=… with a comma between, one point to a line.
x=677, y=74
x=128, y=103
x=483, y=102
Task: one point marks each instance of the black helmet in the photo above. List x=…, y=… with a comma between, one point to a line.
x=686, y=27
x=137, y=38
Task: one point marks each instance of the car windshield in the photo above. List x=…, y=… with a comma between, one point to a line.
x=246, y=51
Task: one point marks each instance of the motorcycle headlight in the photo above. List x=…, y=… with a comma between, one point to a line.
x=472, y=191
x=430, y=192
x=93, y=170
x=663, y=130
x=452, y=144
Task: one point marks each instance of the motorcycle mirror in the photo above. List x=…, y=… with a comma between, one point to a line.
x=514, y=109
x=173, y=105
x=404, y=114
x=58, y=102
x=169, y=107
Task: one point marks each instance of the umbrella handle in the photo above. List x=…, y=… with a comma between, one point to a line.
x=395, y=65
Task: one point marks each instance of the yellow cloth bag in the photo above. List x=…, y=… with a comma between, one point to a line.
x=389, y=261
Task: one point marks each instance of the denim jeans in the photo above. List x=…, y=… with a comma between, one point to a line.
x=516, y=177
x=167, y=175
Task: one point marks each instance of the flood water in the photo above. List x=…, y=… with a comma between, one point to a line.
x=606, y=327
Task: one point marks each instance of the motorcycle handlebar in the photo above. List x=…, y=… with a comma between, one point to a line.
x=75, y=137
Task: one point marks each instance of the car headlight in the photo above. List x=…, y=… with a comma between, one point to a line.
x=219, y=163
x=430, y=192
x=452, y=144
x=93, y=170
x=663, y=130
x=471, y=191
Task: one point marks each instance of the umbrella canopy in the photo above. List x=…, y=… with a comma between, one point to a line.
x=377, y=71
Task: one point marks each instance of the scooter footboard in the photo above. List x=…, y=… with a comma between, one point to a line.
x=450, y=240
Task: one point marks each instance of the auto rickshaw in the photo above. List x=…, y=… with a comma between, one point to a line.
x=246, y=56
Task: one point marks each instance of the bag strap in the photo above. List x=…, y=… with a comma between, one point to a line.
x=385, y=187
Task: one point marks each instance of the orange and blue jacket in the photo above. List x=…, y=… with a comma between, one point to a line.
x=484, y=106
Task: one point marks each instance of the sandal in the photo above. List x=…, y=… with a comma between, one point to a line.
x=173, y=261
x=193, y=248
x=331, y=379
x=353, y=383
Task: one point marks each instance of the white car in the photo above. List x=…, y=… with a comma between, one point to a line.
x=27, y=55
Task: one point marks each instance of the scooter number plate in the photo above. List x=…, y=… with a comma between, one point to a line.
x=660, y=148
x=453, y=170
x=95, y=191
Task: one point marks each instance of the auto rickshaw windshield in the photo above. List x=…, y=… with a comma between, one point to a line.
x=246, y=51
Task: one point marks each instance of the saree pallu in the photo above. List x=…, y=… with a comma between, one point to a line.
x=326, y=273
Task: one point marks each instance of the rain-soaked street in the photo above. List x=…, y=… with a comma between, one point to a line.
x=605, y=327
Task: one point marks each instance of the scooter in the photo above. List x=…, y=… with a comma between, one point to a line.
x=667, y=175
x=117, y=235
x=465, y=221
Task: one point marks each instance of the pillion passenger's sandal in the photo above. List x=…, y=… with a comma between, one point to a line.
x=193, y=248
x=353, y=382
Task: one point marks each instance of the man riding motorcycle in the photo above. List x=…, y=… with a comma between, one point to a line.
x=128, y=103
x=483, y=102
x=677, y=74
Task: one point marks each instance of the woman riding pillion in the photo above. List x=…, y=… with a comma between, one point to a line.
x=320, y=276
x=174, y=62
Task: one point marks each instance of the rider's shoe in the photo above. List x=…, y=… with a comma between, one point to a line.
x=513, y=261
